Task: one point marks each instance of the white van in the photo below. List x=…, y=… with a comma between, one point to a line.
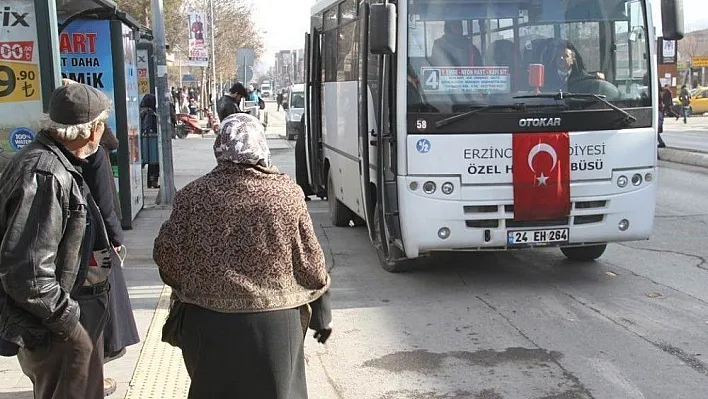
x=294, y=106
x=266, y=91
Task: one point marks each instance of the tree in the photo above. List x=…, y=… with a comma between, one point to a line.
x=687, y=48
x=175, y=21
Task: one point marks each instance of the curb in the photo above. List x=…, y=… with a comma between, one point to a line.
x=684, y=157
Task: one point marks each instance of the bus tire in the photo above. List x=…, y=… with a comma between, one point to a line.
x=584, y=254
x=400, y=263
x=339, y=214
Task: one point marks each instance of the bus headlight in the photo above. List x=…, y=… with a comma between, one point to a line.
x=429, y=187
x=444, y=233
x=447, y=188
x=648, y=177
x=637, y=179
x=622, y=181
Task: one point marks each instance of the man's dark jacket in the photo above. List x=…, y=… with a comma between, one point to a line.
x=43, y=216
x=227, y=106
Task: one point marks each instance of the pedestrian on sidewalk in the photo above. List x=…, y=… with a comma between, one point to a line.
x=149, y=135
x=229, y=103
x=54, y=304
x=662, y=112
x=279, y=99
x=120, y=330
x=247, y=272
x=685, y=99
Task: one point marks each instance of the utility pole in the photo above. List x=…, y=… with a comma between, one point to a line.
x=166, y=194
x=213, y=61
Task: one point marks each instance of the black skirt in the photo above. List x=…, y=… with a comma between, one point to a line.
x=120, y=330
x=244, y=355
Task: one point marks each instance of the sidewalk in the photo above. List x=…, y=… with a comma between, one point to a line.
x=152, y=369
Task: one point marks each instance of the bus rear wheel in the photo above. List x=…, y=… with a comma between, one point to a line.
x=339, y=214
x=584, y=254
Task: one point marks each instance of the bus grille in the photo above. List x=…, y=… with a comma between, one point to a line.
x=496, y=216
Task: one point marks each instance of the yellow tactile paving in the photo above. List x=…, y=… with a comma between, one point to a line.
x=160, y=372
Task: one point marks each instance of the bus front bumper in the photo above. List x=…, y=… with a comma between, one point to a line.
x=476, y=219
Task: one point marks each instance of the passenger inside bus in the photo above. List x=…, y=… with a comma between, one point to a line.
x=504, y=53
x=454, y=49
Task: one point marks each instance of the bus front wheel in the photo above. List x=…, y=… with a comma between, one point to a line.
x=584, y=254
x=398, y=262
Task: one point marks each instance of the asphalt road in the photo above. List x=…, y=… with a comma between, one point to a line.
x=690, y=136
x=526, y=325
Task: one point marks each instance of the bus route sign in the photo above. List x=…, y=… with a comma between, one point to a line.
x=465, y=80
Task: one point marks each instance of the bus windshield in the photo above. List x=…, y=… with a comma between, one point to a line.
x=464, y=54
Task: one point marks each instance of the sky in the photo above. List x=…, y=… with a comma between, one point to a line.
x=285, y=22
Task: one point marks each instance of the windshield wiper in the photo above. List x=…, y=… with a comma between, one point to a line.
x=468, y=114
x=628, y=118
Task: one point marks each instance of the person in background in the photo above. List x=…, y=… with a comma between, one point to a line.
x=254, y=279
x=120, y=330
x=53, y=303
x=667, y=102
x=253, y=95
x=662, y=112
x=149, y=134
x=279, y=99
x=229, y=103
x=685, y=99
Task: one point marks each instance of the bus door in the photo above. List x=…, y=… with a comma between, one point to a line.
x=313, y=118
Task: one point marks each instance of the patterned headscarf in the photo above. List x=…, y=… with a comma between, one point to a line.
x=242, y=140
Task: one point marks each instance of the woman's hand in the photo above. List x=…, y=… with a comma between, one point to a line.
x=323, y=335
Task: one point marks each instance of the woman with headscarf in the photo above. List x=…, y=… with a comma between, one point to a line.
x=148, y=129
x=247, y=273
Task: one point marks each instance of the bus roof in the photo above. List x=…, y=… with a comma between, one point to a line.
x=321, y=5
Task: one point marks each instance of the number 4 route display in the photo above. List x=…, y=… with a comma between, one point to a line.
x=20, y=89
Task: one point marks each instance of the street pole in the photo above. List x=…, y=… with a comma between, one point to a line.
x=165, y=195
x=213, y=61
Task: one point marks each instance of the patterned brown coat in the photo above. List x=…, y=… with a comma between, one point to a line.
x=240, y=239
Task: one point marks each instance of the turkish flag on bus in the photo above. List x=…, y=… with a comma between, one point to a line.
x=541, y=169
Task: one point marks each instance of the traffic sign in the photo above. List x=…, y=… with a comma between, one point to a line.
x=245, y=56
x=244, y=76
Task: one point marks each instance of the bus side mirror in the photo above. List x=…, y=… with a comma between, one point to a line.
x=382, y=29
x=672, y=19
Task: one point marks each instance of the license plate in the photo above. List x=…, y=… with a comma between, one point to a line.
x=537, y=237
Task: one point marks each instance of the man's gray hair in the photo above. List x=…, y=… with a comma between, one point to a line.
x=74, y=132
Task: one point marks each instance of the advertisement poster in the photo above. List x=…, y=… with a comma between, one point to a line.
x=465, y=80
x=86, y=57
x=85, y=54
x=143, y=73
x=132, y=96
x=197, y=27
x=668, y=51
x=20, y=87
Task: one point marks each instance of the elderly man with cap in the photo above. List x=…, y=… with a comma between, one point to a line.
x=53, y=303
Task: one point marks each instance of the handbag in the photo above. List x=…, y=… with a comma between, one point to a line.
x=261, y=103
x=172, y=330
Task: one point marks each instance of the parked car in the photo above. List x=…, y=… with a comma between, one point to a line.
x=294, y=106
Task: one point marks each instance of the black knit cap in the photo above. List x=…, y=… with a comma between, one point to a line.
x=77, y=103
